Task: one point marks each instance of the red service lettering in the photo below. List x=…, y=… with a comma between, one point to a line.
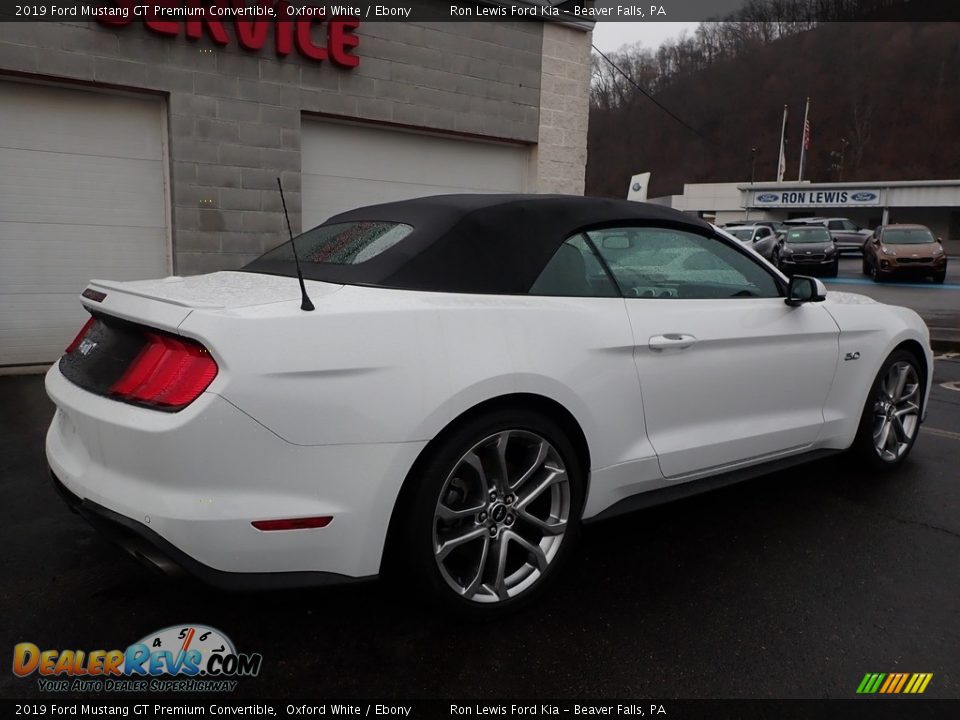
x=315, y=38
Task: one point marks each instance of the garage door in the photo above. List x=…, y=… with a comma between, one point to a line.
x=82, y=195
x=346, y=166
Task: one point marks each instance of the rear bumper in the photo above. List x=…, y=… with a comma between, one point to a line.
x=849, y=247
x=151, y=550
x=182, y=489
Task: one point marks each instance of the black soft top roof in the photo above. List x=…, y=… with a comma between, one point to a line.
x=478, y=243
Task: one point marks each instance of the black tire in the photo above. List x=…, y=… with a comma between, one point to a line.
x=834, y=269
x=876, y=274
x=419, y=525
x=939, y=277
x=864, y=448
x=865, y=266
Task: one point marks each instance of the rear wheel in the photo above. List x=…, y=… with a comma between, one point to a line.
x=940, y=277
x=891, y=417
x=496, y=513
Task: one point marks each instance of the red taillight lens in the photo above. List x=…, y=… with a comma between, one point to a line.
x=80, y=335
x=169, y=372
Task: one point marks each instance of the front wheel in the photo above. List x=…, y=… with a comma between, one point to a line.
x=940, y=277
x=865, y=266
x=834, y=269
x=496, y=513
x=891, y=417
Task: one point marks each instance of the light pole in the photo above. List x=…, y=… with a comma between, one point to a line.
x=838, y=158
x=753, y=166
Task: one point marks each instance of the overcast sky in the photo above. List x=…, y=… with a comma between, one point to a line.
x=612, y=35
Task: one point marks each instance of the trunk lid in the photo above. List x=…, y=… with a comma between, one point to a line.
x=137, y=323
x=166, y=302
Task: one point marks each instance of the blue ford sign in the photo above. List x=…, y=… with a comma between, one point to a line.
x=806, y=197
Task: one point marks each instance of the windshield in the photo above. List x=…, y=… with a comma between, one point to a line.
x=907, y=236
x=342, y=243
x=808, y=235
x=742, y=234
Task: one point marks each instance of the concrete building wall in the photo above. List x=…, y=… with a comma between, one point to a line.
x=234, y=117
x=560, y=158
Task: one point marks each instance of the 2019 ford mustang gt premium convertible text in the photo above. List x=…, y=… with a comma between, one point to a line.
x=481, y=374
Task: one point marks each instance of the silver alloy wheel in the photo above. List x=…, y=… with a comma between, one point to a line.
x=501, y=516
x=896, y=411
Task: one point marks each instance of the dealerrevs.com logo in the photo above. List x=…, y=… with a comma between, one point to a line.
x=179, y=658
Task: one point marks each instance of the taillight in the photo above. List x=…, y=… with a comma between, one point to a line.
x=80, y=335
x=168, y=372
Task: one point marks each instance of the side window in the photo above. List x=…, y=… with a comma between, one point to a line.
x=835, y=225
x=763, y=232
x=848, y=225
x=574, y=271
x=662, y=263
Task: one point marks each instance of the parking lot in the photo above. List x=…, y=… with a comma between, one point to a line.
x=791, y=585
x=938, y=305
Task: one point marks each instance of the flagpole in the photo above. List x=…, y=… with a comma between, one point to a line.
x=782, y=164
x=803, y=143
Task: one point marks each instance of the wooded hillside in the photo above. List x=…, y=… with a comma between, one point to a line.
x=885, y=105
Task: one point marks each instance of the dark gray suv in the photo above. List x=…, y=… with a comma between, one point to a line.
x=848, y=236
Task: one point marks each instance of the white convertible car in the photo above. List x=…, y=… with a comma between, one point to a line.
x=480, y=375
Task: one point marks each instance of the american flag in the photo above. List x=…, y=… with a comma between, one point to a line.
x=806, y=134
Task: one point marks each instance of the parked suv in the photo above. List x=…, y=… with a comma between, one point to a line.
x=807, y=250
x=904, y=250
x=848, y=236
x=759, y=237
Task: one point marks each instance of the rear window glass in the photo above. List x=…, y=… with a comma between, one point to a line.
x=342, y=243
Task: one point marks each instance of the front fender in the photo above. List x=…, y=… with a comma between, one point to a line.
x=869, y=332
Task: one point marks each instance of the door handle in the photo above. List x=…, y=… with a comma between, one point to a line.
x=671, y=341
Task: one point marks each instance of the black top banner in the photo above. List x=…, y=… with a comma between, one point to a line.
x=578, y=11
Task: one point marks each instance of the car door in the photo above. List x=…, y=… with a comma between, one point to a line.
x=729, y=373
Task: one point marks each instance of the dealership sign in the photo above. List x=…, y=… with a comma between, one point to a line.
x=815, y=198
x=253, y=25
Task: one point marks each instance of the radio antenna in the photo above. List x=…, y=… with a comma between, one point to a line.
x=305, y=303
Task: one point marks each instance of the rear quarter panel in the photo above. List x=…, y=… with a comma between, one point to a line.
x=374, y=365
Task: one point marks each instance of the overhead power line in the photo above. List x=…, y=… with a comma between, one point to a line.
x=648, y=95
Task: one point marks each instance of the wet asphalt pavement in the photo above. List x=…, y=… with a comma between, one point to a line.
x=791, y=585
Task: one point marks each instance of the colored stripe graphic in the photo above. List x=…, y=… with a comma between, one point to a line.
x=894, y=683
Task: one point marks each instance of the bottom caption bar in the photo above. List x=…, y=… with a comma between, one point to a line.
x=872, y=708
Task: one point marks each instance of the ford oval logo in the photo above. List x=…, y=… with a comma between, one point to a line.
x=863, y=196
x=768, y=197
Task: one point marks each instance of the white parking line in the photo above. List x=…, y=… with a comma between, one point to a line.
x=940, y=433
x=952, y=385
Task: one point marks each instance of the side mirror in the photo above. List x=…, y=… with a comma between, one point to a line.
x=940, y=240
x=803, y=289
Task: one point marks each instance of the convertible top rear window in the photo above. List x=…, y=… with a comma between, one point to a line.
x=343, y=243
x=456, y=243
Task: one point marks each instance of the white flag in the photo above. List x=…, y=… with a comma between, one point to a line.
x=782, y=165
